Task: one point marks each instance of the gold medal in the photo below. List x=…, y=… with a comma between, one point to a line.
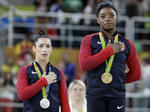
x=106, y=78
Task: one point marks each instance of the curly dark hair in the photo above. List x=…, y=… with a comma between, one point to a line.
x=106, y=4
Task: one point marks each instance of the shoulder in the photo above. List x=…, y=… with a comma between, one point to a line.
x=25, y=67
x=88, y=37
x=23, y=71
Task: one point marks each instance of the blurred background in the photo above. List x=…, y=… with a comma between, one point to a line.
x=67, y=22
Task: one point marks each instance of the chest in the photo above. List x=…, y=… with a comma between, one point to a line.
x=33, y=78
x=121, y=57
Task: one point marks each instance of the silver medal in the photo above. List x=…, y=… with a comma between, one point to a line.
x=44, y=103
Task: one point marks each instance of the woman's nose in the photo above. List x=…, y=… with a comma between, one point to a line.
x=44, y=49
x=107, y=18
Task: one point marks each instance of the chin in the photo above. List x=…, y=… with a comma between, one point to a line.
x=77, y=99
x=43, y=59
x=108, y=29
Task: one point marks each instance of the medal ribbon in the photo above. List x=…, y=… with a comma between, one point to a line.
x=108, y=64
x=45, y=90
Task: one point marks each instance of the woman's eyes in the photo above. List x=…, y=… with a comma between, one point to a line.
x=40, y=45
x=75, y=89
x=48, y=46
x=102, y=17
x=110, y=16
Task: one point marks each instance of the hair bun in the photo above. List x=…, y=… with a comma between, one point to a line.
x=42, y=32
x=105, y=3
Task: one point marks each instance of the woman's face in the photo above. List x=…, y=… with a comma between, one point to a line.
x=107, y=19
x=77, y=92
x=42, y=48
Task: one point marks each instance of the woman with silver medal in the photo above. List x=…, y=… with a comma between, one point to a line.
x=41, y=86
x=44, y=103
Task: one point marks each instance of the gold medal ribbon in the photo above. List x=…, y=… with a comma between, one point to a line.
x=108, y=64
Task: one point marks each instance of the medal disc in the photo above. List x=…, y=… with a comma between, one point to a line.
x=44, y=103
x=106, y=78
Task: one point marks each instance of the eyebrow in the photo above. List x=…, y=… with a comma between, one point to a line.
x=111, y=13
x=104, y=13
x=45, y=44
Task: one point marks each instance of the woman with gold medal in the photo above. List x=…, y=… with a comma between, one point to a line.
x=104, y=56
x=41, y=86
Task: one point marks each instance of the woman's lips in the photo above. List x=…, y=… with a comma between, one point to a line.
x=44, y=54
x=108, y=23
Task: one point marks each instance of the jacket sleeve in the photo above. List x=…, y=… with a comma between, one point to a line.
x=63, y=94
x=88, y=61
x=134, y=66
x=24, y=90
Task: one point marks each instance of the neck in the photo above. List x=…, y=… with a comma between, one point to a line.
x=109, y=34
x=42, y=63
x=77, y=103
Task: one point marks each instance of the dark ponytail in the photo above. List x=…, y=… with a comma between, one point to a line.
x=42, y=32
